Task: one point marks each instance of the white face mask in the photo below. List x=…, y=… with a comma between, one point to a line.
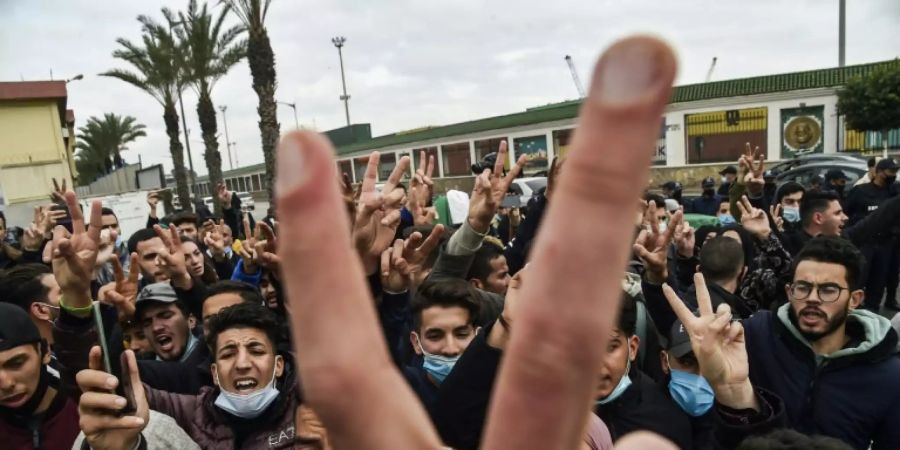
x=247, y=406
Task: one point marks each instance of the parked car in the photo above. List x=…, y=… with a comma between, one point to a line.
x=815, y=158
x=803, y=174
x=526, y=188
x=247, y=202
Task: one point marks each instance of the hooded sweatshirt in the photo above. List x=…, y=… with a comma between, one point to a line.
x=851, y=394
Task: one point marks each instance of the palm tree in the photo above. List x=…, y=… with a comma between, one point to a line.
x=210, y=51
x=101, y=140
x=157, y=71
x=262, y=67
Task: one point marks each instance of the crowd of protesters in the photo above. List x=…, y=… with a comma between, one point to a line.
x=599, y=315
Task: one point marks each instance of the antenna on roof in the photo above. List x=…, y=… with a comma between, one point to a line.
x=575, y=78
x=712, y=67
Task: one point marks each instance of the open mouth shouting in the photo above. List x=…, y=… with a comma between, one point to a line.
x=15, y=400
x=245, y=385
x=812, y=317
x=165, y=343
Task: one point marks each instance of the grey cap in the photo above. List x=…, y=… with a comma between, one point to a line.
x=157, y=292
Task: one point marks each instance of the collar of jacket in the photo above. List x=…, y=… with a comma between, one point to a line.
x=872, y=332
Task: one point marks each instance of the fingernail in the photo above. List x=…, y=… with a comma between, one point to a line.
x=290, y=166
x=112, y=382
x=120, y=402
x=629, y=69
x=138, y=420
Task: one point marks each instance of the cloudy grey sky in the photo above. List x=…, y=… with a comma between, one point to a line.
x=413, y=63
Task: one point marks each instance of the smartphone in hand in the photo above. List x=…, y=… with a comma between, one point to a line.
x=124, y=389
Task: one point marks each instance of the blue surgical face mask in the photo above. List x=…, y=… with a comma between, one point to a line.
x=436, y=365
x=791, y=214
x=120, y=241
x=620, y=388
x=247, y=406
x=726, y=219
x=691, y=392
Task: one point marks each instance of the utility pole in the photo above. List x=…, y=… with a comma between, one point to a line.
x=294, y=107
x=842, y=31
x=227, y=141
x=575, y=78
x=187, y=140
x=339, y=43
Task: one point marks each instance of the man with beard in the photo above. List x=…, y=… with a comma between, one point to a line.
x=832, y=364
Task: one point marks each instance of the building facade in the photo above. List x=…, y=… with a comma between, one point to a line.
x=705, y=127
x=37, y=143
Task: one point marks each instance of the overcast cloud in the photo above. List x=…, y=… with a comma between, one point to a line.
x=413, y=63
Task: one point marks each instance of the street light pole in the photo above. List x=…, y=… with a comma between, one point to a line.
x=842, y=31
x=339, y=43
x=227, y=141
x=294, y=107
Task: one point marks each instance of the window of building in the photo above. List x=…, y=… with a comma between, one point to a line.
x=346, y=166
x=386, y=164
x=535, y=150
x=562, y=141
x=485, y=146
x=241, y=186
x=256, y=182
x=457, y=160
x=720, y=136
x=229, y=184
x=359, y=167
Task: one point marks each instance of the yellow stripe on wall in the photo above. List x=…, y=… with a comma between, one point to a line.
x=705, y=124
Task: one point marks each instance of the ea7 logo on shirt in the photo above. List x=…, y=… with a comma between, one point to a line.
x=873, y=208
x=284, y=437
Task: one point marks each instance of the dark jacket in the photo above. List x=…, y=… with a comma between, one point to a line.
x=731, y=427
x=865, y=198
x=212, y=428
x=851, y=394
x=463, y=401
x=646, y=406
x=873, y=226
x=519, y=247
x=662, y=314
x=704, y=205
x=57, y=429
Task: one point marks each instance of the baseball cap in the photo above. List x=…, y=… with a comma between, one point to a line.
x=162, y=292
x=679, y=340
x=671, y=185
x=730, y=169
x=835, y=174
x=708, y=182
x=886, y=164
x=16, y=328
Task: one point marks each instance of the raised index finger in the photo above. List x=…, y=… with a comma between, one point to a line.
x=703, y=301
x=368, y=184
x=502, y=154
x=606, y=172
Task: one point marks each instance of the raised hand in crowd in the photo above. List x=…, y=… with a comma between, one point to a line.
x=153, y=202
x=652, y=245
x=122, y=292
x=422, y=215
x=752, y=164
x=404, y=260
x=718, y=343
x=267, y=247
x=33, y=236
x=546, y=354
x=215, y=241
x=490, y=188
x=422, y=179
x=58, y=194
x=685, y=240
x=775, y=214
x=74, y=255
x=248, y=252
x=173, y=262
x=553, y=175
x=378, y=213
x=350, y=195
x=754, y=220
x=99, y=408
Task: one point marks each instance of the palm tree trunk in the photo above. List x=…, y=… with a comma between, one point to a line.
x=170, y=116
x=206, y=111
x=262, y=67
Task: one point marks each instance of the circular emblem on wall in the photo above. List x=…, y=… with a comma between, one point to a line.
x=803, y=133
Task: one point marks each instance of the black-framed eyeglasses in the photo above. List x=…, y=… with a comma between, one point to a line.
x=827, y=292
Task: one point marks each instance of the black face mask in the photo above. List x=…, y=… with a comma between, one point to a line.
x=839, y=189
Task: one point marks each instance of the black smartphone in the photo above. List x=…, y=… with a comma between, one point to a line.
x=124, y=388
x=65, y=221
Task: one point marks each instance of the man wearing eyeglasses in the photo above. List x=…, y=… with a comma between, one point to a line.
x=833, y=365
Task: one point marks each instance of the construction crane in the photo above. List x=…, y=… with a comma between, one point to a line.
x=712, y=67
x=575, y=78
